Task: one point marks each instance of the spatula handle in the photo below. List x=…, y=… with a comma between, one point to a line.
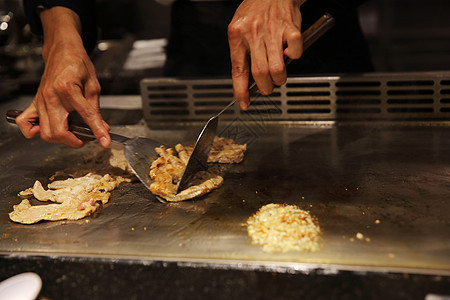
x=80, y=129
x=316, y=30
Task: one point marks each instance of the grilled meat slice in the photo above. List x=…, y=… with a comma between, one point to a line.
x=167, y=170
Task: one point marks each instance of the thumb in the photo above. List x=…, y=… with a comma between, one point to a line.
x=24, y=120
x=294, y=42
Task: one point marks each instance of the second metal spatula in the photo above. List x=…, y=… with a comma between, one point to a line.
x=199, y=157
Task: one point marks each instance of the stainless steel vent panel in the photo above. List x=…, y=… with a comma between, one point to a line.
x=375, y=96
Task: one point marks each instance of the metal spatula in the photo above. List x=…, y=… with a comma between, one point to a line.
x=199, y=157
x=139, y=152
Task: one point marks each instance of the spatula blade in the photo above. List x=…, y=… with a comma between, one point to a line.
x=199, y=158
x=140, y=153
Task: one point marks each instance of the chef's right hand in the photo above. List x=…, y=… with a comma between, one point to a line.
x=69, y=83
x=260, y=34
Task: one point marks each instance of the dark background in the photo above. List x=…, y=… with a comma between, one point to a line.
x=403, y=36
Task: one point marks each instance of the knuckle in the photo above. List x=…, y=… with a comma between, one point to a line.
x=47, y=93
x=239, y=28
x=296, y=36
x=255, y=25
x=276, y=70
x=63, y=87
x=58, y=134
x=94, y=88
x=92, y=93
x=266, y=90
x=259, y=71
x=93, y=118
x=89, y=114
x=20, y=119
x=97, y=88
x=234, y=30
x=280, y=81
x=238, y=71
x=46, y=137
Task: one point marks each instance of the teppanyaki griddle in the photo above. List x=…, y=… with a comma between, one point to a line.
x=387, y=180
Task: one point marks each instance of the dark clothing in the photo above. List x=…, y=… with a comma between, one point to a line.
x=341, y=50
x=198, y=42
x=84, y=8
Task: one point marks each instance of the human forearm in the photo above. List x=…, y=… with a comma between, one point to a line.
x=85, y=9
x=61, y=27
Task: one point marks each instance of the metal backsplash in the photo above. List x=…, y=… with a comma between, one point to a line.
x=422, y=96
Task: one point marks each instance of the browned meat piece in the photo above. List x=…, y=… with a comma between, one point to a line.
x=167, y=170
x=205, y=183
x=167, y=163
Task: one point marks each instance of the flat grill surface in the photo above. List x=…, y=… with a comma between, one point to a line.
x=346, y=176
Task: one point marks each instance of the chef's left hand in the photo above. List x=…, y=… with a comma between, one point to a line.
x=260, y=34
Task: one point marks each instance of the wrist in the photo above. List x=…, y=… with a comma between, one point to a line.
x=62, y=27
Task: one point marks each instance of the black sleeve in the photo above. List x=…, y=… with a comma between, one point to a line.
x=84, y=8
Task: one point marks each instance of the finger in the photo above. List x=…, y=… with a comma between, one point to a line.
x=294, y=42
x=106, y=125
x=24, y=120
x=90, y=112
x=53, y=118
x=44, y=124
x=60, y=134
x=92, y=92
x=240, y=73
x=260, y=69
x=275, y=58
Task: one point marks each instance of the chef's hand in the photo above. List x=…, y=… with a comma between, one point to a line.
x=260, y=34
x=69, y=83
